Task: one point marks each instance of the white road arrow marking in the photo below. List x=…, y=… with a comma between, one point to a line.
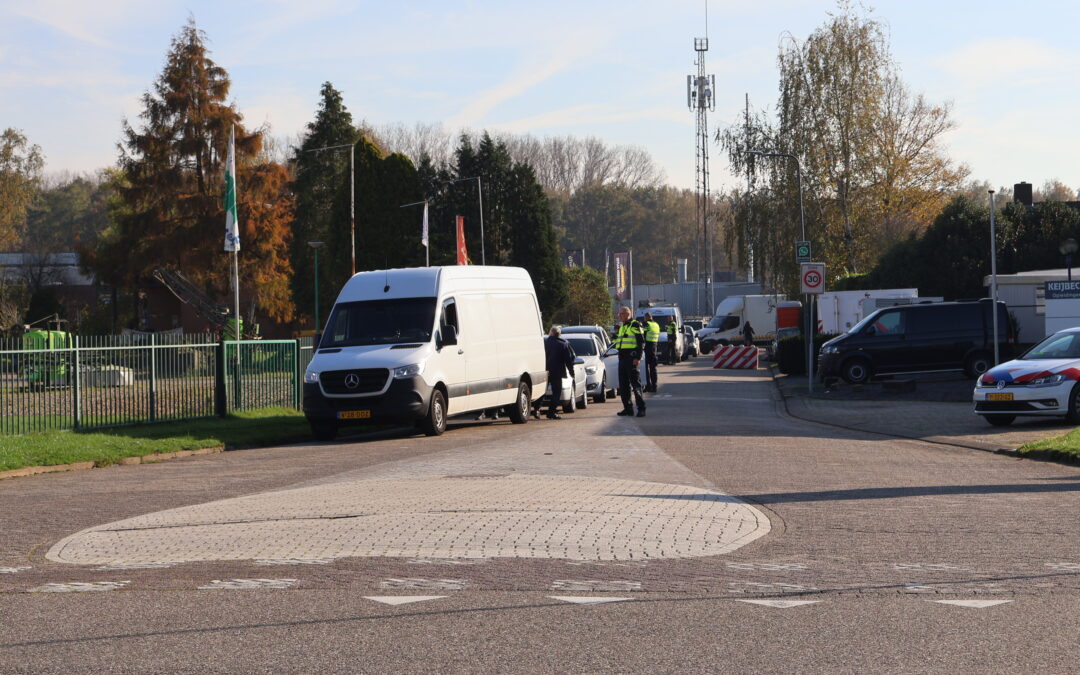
x=80, y=587
x=401, y=599
x=781, y=604
x=583, y=600
x=977, y=604
x=247, y=584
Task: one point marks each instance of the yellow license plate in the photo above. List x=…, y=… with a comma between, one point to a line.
x=360, y=414
x=999, y=397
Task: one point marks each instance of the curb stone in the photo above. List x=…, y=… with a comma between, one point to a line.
x=125, y=461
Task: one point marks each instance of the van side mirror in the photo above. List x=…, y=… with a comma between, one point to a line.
x=449, y=335
x=870, y=331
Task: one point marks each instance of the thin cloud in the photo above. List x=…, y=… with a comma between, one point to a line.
x=991, y=60
x=591, y=114
x=83, y=21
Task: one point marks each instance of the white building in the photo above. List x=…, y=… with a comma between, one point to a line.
x=1025, y=294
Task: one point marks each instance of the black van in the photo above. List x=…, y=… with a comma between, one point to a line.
x=918, y=338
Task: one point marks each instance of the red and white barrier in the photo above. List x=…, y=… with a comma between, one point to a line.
x=733, y=356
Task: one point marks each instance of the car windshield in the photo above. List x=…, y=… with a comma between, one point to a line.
x=380, y=322
x=1060, y=346
x=583, y=346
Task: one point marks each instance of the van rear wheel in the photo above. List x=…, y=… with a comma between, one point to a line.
x=977, y=364
x=434, y=423
x=519, y=412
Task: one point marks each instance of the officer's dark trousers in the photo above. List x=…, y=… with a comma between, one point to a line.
x=556, y=392
x=650, y=365
x=630, y=380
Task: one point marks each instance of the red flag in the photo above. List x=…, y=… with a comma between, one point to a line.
x=462, y=254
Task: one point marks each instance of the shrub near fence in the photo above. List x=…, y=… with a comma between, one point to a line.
x=116, y=380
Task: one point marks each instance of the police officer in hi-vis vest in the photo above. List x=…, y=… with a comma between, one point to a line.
x=672, y=327
x=652, y=340
x=630, y=341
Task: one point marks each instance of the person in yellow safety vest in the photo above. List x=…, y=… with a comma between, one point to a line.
x=630, y=341
x=652, y=339
x=671, y=329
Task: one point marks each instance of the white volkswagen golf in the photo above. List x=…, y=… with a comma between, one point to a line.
x=1044, y=380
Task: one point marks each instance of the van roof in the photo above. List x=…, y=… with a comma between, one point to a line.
x=420, y=282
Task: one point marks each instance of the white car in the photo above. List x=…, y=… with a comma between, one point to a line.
x=574, y=393
x=588, y=349
x=1043, y=381
x=601, y=333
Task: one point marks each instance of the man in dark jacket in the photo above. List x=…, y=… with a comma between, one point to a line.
x=748, y=334
x=630, y=341
x=560, y=363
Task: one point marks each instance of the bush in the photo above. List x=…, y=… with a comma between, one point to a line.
x=791, y=353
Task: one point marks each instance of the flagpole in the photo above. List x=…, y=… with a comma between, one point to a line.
x=232, y=228
x=236, y=292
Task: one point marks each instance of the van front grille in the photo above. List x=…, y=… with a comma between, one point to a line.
x=362, y=381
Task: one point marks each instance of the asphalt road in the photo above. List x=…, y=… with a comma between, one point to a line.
x=866, y=544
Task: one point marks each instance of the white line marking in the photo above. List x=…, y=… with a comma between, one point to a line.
x=12, y=570
x=1071, y=566
x=780, y=604
x=294, y=561
x=583, y=600
x=594, y=585
x=976, y=604
x=136, y=566
x=80, y=587
x=429, y=584
x=401, y=599
x=247, y=584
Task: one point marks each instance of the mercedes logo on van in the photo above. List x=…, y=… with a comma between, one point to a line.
x=1001, y=384
x=352, y=380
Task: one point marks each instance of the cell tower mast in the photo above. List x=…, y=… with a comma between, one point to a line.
x=699, y=98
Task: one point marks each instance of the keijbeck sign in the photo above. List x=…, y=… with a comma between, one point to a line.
x=1062, y=290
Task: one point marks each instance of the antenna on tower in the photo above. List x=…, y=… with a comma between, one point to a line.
x=701, y=100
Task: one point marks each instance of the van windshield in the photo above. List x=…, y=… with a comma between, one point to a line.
x=380, y=322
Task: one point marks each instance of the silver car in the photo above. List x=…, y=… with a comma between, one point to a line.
x=587, y=348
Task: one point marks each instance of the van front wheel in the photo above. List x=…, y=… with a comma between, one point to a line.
x=519, y=413
x=856, y=371
x=435, y=421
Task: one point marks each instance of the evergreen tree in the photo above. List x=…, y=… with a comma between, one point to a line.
x=322, y=201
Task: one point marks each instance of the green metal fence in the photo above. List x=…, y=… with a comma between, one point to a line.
x=86, y=382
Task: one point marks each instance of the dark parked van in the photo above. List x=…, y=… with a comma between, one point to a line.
x=918, y=338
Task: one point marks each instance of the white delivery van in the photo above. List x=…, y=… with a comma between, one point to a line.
x=664, y=314
x=423, y=344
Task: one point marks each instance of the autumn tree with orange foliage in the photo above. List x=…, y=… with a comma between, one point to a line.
x=171, y=210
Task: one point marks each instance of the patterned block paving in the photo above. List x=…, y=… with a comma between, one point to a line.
x=441, y=517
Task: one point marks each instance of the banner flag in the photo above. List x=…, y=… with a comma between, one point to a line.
x=424, y=235
x=622, y=276
x=462, y=253
x=232, y=223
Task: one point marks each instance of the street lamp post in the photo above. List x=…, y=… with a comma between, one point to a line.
x=802, y=229
x=993, y=276
x=480, y=193
x=1067, y=248
x=316, y=245
x=352, y=194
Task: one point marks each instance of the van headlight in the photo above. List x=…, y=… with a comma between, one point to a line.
x=411, y=370
x=1048, y=381
x=829, y=349
x=311, y=377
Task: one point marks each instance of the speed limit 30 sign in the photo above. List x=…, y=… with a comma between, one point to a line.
x=812, y=277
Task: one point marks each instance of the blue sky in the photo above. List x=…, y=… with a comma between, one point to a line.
x=71, y=71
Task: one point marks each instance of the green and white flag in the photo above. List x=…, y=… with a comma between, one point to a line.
x=232, y=223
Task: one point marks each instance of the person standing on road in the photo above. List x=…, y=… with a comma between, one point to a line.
x=630, y=341
x=672, y=327
x=748, y=334
x=560, y=362
x=652, y=340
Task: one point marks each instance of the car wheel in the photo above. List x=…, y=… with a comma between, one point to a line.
x=601, y=393
x=1000, y=420
x=856, y=371
x=324, y=431
x=519, y=412
x=977, y=364
x=1073, y=416
x=571, y=405
x=435, y=421
x=584, y=402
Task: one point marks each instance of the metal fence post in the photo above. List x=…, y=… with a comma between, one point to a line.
x=298, y=377
x=220, y=407
x=153, y=380
x=76, y=381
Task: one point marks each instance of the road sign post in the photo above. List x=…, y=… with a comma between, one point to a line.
x=812, y=283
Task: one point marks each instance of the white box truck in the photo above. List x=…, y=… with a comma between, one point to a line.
x=838, y=311
x=765, y=313
x=423, y=344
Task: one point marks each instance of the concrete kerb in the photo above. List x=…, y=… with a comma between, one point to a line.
x=125, y=461
x=973, y=445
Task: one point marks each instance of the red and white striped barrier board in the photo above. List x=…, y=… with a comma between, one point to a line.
x=732, y=356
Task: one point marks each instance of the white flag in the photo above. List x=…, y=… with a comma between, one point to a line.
x=232, y=223
x=423, y=237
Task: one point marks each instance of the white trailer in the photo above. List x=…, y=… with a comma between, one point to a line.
x=838, y=311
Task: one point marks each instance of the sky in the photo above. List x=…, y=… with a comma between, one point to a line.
x=72, y=71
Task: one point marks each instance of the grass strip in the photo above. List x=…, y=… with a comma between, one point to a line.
x=1064, y=448
x=267, y=426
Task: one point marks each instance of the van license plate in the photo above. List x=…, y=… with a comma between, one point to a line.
x=366, y=414
x=999, y=397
